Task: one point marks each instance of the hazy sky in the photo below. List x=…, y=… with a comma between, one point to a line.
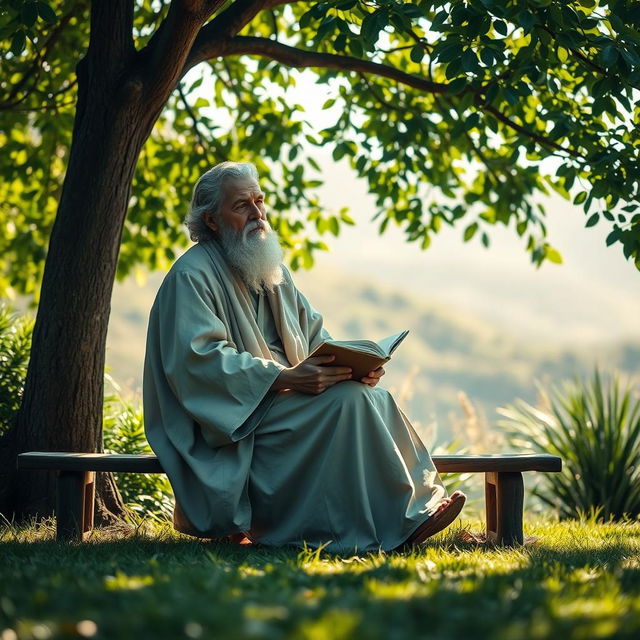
x=594, y=296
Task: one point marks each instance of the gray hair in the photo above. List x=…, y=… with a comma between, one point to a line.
x=208, y=193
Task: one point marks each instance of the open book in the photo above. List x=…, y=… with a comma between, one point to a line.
x=361, y=355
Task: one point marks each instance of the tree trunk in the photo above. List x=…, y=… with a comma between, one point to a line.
x=121, y=93
x=63, y=396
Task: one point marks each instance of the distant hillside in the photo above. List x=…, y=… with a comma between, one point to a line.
x=445, y=353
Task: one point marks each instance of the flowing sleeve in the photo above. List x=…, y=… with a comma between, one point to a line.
x=218, y=386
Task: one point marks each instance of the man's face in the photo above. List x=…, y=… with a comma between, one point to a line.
x=242, y=209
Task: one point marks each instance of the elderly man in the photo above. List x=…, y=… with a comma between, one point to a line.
x=255, y=436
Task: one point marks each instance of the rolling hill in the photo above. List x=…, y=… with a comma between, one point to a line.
x=451, y=369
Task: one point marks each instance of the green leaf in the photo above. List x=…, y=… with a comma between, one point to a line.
x=472, y=121
x=593, y=220
x=29, y=13
x=313, y=163
x=500, y=27
x=450, y=52
x=609, y=55
x=453, y=69
x=417, y=53
x=580, y=198
x=18, y=43
x=630, y=56
x=457, y=86
x=371, y=27
x=196, y=84
x=326, y=27
x=340, y=43
x=486, y=55
x=355, y=48
x=470, y=60
x=470, y=231
x=46, y=12
x=526, y=20
x=553, y=255
x=346, y=218
x=612, y=237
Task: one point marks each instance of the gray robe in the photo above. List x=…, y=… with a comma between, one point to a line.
x=344, y=467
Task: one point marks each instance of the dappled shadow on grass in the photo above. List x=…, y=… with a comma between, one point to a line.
x=575, y=580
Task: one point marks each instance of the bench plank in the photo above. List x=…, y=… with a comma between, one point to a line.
x=504, y=489
x=125, y=462
x=149, y=463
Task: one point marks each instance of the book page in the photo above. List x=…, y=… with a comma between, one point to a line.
x=390, y=344
x=364, y=346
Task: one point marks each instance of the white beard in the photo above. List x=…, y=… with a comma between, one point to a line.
x=255, y=255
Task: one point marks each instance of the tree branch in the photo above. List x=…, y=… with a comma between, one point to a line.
x=227, y=24
x=162, y=59
x=541, y=140
x=380, y=99
x=36, y=68
x=40, y=58
x=194, y=119
x=237, y=16
x=587, y=61
x=47, y=106
x=300, y=58
x=47, y=99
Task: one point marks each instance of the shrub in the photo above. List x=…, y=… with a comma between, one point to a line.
x=123, y=428
x=595, y=428
x=148, y=494
x=15, y=346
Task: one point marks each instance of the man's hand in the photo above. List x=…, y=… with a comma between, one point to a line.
x=311, y=376
x=374, y=377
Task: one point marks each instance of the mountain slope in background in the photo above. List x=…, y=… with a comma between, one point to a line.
x=445, y=353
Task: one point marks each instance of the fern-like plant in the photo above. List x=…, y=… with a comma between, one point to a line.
x=595, y=428
x=15, y=346
x=123, y=429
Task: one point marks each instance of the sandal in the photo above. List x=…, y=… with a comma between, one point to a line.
x=437, y=522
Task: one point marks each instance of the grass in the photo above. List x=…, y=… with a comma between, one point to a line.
x=578, y=580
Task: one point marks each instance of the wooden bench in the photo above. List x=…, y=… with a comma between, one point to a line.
x=504, y=488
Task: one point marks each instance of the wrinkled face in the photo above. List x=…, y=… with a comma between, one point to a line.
x=242, y=208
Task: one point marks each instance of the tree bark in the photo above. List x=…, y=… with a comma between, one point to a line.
x=63, y=396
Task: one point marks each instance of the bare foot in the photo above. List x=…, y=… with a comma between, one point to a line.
x=447, y=501
x=446, y=512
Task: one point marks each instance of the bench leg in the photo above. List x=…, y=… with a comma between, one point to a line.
x=74, y=504
x=89, y=502
x=504, y=500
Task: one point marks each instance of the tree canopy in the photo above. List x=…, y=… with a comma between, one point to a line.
x=459, y=113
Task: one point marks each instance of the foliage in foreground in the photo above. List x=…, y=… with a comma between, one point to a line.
x=579, y=580
x=595, y=428
x=15, y=346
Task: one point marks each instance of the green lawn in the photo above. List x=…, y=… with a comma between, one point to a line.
x=578, y=580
